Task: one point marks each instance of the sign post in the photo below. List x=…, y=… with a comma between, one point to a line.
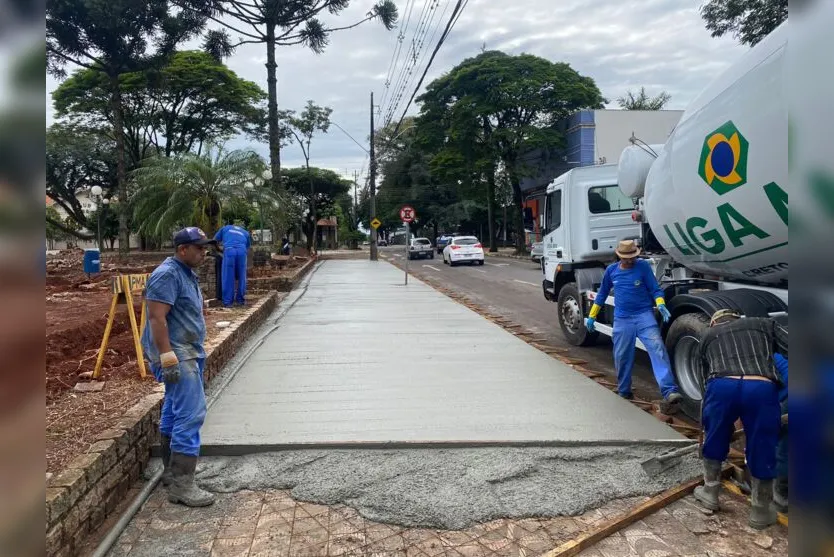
x=407, y=215
x=407, y=258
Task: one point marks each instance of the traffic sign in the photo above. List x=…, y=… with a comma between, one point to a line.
x=376, y=224
x=407, y=214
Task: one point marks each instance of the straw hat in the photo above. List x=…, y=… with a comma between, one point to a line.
x=627, y=249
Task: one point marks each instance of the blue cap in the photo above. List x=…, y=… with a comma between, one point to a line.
x=192, y=235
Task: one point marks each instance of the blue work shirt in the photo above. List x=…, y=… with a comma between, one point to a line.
x=175, y=284
x=233, y=236
x=635, y=289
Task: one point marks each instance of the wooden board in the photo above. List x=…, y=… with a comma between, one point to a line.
x=586, y=540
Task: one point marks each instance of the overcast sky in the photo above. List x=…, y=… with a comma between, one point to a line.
x=621, y=44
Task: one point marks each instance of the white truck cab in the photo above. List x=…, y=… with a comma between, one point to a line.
x=586, y=215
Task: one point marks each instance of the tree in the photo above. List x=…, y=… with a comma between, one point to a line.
x=109, y=222
x=749, y=21
x=513, y=104
x=328, y=187
x=190, y=190
x=116, y=37
x=303, y=127
x=281, y=23
x=53, y=232
x=642, y=101
x=192, y=101
x=76, y=160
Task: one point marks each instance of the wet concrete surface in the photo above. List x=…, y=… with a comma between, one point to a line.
x=512, y=288
x=360, y=358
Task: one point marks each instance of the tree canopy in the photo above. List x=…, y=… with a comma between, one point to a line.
x=497, y=107
x=748, y=21
x=642, y=101
x=193, y=100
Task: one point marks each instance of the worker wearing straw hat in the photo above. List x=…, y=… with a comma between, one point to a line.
x=637, y=292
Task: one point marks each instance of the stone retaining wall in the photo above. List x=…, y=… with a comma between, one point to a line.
x=93, y=484
x=281, y=284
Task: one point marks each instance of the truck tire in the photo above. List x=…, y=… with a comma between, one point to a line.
x=682, y=342
x=572, y=318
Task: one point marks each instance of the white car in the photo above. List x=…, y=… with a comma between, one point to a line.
x=463, y=249
x=420, y=247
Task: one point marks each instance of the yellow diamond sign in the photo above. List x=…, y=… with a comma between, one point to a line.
x=376, y=224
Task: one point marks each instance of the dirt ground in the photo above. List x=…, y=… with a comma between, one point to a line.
x=76, y=314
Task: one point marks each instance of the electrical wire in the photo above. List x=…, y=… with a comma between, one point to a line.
x=452, y=20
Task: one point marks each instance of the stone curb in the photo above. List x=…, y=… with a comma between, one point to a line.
x=88, y=490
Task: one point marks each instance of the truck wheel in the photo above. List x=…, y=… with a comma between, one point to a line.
x=683, y=343
x=572, y=318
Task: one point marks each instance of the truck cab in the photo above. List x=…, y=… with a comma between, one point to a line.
x=586, y=215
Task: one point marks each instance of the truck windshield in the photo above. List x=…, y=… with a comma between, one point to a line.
x=608, y=199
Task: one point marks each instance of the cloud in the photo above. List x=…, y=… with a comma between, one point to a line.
x=622, y=44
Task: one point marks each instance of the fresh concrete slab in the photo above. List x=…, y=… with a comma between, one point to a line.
x=361, y=358
x=451, y=488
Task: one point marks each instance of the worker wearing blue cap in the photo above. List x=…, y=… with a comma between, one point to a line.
x=173, y=343
x=235, y=241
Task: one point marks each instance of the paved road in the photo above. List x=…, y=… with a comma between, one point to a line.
x=512, y=287
x=360, y=358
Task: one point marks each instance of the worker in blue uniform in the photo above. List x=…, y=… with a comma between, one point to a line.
x=637, y=292
x=742, y=382
x=235, y=241
x=173, y=343
x=780, y=485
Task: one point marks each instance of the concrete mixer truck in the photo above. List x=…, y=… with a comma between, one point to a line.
x=709, y=208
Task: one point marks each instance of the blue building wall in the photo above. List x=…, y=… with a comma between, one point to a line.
x=580, y=139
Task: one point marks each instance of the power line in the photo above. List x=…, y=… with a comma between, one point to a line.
x=395, y=54
x=419, y=53
x=452, y=20
x=410, y=62
x=350, y=136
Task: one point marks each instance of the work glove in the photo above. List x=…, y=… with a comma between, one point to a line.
x=589, y=324
x=664, y=313
x=170, y=367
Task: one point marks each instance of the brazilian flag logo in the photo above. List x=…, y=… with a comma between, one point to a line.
x=723, y=163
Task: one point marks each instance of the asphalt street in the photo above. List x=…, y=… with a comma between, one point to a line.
x=512, y=288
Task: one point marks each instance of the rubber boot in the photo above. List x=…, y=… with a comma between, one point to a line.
x=165, y=445
x=183, y=489
x=762, y=513
x=780, y=495
x=707, y=494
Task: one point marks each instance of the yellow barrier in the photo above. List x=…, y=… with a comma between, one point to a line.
x=123, y=288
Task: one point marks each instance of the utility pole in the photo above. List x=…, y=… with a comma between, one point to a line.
x=373, y=185
x=355, y=206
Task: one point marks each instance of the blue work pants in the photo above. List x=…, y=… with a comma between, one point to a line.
x=184, y=407
x=644, y=327
x=234, y=268
x=757, y=404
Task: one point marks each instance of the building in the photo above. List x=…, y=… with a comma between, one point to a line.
x=592, y=137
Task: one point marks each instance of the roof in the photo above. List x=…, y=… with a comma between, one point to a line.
x=328, y=222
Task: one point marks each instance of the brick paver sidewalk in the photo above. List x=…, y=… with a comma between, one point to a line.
x=272, y=524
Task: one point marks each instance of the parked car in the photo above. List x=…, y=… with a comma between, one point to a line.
x=382, y=242
x=441, y=242
x=419, y=248
x=537, y=251
x=463, y=249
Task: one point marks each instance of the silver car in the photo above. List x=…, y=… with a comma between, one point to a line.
x=537, y=251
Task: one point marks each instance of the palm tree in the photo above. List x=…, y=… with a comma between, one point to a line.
x=191, y=189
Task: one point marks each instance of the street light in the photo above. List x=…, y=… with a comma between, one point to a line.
x=96, y=191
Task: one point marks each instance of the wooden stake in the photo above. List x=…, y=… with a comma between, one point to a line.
x=137, y=343
x=107, y=328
